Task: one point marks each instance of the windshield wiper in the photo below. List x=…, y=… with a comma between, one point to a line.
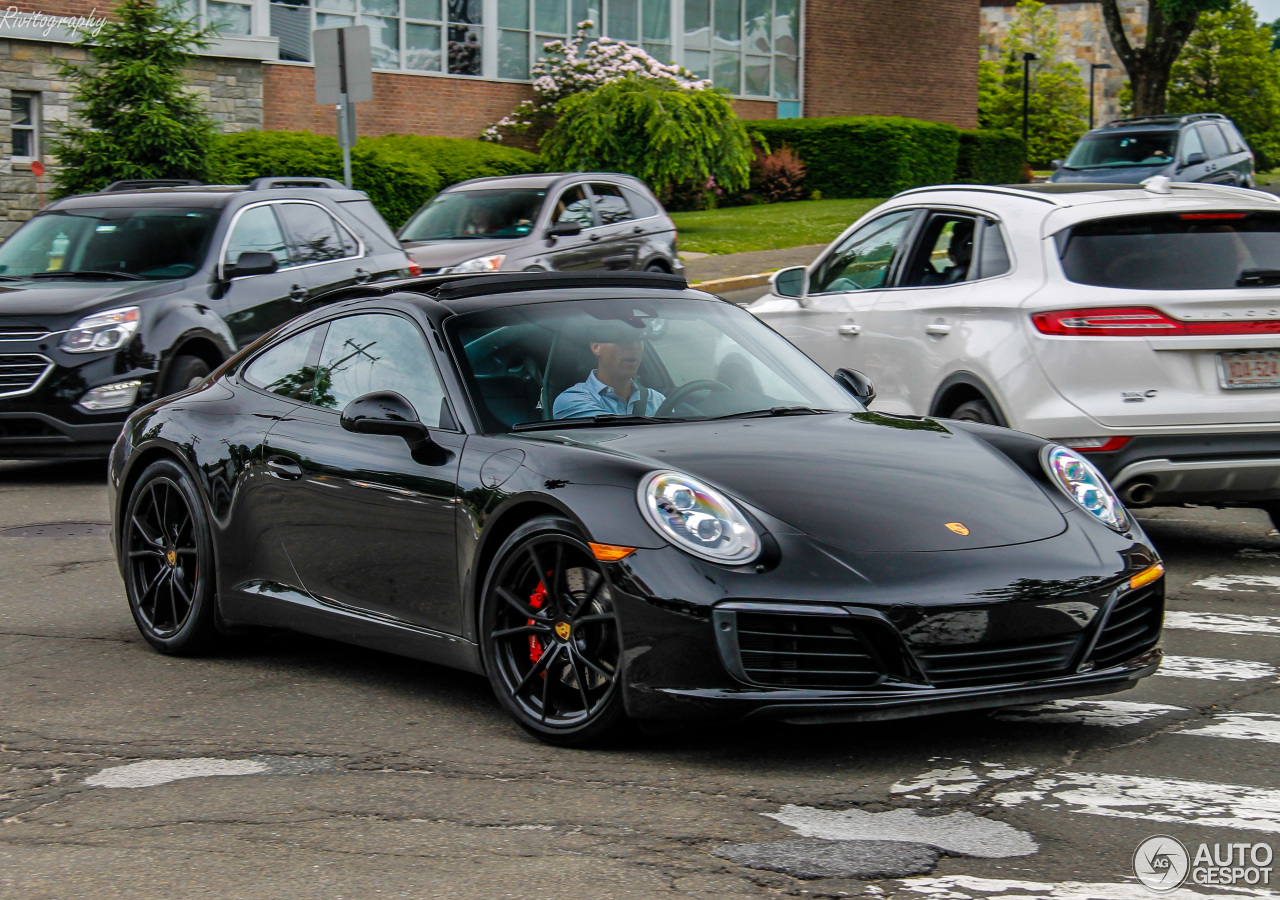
x=1258, y=277
x=592, y=421
x=776, y=411
x=12, y=278
x=88, y=273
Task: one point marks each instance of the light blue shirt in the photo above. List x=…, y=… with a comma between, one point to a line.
x=593, y=398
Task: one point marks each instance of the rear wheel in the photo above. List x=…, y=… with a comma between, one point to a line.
x=975, y=411
x=184, y=372
x=1273, y=510
x=657, y=267
x=550, y=635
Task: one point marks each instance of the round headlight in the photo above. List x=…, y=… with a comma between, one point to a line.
x=698, y=519
x=1083, y=483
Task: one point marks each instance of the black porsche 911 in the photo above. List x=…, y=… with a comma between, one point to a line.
x=621, y=498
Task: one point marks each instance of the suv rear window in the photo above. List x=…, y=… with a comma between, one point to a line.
x=1193, y=251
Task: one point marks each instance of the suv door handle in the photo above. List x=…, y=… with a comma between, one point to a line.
x=284, y=467
x=362, y=276
x=938, y=328
x=593, y=237
x=849, y=329
x=639, y=229
x=297, y=293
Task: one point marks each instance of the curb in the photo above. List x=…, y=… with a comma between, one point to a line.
x=738, y=283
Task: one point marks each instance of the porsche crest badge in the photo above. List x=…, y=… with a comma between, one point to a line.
x=958, y=528
x=562, y=630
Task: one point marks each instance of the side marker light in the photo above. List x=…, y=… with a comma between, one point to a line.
x=610, y=552
x=1146, y=576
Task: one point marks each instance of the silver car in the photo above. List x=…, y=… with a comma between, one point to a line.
x=551, y=222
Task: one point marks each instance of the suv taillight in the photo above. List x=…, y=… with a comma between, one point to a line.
x=1139, y=321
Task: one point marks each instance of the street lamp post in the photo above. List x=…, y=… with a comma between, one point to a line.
x=1027, y=59
x=1093, y=67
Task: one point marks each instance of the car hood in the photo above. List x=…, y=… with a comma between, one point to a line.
x=1109, y=175
x=865, y=482
x=47, y=303
x=439, y=254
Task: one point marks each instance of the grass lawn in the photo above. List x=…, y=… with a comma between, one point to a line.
x=772, y=226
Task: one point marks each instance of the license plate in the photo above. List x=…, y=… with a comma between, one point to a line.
x=1249, y=369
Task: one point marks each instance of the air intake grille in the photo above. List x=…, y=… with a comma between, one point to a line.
x=19, y=372
x=960, y=665
x=805, y=651
x=1133, y=627
x=10, y=333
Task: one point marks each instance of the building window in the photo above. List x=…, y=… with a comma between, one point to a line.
x=24, y=123
x=228, y=16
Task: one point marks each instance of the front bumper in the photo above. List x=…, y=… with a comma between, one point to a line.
x=1210, y=469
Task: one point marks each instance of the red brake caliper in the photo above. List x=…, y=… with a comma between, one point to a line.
x=536, y=599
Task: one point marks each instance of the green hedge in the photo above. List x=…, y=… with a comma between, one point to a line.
x=988, y=156
x=877, y=156
x=459, y=160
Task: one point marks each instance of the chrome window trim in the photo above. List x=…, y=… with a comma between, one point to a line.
x=49, y=367
x=362, y=249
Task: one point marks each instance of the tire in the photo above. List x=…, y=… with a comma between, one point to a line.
x=975, y=411
x=167, y=551
x=1273, y=510
x=657, y=267
x=553, y=655
x=184, y=372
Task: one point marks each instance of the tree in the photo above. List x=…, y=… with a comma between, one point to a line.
x=140, y=121
x=1228, y=66
x=1169, y=26
x=1058, y=103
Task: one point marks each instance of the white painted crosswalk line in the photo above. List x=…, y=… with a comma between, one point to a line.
x=1114, y=713
x=1241, y=726
x=1214, y=669
x=969, y=887
x=1223, y=623
x=1242, y=584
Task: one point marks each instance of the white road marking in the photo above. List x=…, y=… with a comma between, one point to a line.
x=958, y=833
x=1225, y=623
x=1255, y=553
x=1241, y=726
x=162, y=771
x=1087, y=712
x=959, y=779
x=1214, y=669
x=968, y=887
x=1224, y=582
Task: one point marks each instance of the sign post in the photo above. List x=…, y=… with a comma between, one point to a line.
x=344, y=77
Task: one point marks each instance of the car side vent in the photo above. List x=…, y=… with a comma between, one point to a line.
x=1132, y=627
x=793, y=650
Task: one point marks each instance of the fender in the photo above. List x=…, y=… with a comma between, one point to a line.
x=968, y=380
x=178, y=323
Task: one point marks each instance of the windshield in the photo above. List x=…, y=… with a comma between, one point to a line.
x=457, y=215
x=647, y=359
x=1113, y=151
x=1194, y=251
x=155, y=243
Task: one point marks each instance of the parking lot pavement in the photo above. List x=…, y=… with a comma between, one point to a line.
x=288, y=766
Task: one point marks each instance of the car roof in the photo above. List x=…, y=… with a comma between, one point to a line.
x=1115, y=198
x=214, y=196
x=539, y=180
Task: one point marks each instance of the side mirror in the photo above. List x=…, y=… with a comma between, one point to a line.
x=564, y=229
x=788, y=282
x=857, y=384
x=1194, y=159
x=386, y=412
x=1056, y=165
x=253, y=262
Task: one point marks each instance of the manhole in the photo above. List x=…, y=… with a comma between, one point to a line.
x=57, y=530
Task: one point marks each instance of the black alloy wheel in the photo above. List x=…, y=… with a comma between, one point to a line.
x=975, y=411
x=168, y=561
x=550, y=635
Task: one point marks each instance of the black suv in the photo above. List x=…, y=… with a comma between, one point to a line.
x=1203, y=147
x=110, y=300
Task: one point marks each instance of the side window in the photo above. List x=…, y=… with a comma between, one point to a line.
x=642, y=206
x=944, y=251
x=863, y=260
x=1234, y=140
x=258, y=231
x=1214, y=144
x=284, y=369
x=611, y=204
x=995, y=254
x=573, y=206
x=1191, y=143
x=377, y=352
x=316, y=236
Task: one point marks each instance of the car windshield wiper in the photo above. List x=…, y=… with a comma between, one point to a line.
x=592, y=421
x=12, y=278
x=1258, y=277
x=776, y=411
x=88, y=273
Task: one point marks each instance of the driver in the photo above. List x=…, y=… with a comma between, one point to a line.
x=611, y=387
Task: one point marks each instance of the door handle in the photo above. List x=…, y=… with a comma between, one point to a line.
x=284, y=467
x=297, y=293
x=593, y=237
x=849, y=329
x=362, y=276
x=938, y=328
x=637, y=230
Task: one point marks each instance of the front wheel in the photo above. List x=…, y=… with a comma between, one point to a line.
x=550, y=636
x=975, y=411
x=1273, y=510
x=184, y=372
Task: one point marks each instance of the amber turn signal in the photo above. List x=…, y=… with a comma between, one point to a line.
x=610, y=552
x=1146, y=576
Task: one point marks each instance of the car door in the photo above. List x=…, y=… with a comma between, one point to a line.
x=580, y=251
x=327, y=253
x=1193, y=160
x=258, y=303
x=828, y=322
x=1241, y=157
x=618, y=230
x=366, y=524
x=1218, y=163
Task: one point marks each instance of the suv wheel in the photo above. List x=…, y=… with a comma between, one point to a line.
x=184, y=372
x=975, y=411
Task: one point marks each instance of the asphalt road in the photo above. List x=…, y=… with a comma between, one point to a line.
x=291, y=767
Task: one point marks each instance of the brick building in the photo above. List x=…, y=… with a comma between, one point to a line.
x=453, y=67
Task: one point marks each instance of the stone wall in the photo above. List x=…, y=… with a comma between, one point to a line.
x=230, y=88
x=1084, y=40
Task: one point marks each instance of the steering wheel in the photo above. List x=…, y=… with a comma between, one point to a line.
x=668, y=406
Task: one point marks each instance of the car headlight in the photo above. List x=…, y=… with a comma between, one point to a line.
x=1083, y=483
x=107, y=330
x=698, y=519
x=479, y=264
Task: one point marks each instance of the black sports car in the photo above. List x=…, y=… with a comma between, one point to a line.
x=618, y=497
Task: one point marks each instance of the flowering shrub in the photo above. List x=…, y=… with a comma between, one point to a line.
x=583, y=64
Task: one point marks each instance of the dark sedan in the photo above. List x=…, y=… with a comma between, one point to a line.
x=617, y=497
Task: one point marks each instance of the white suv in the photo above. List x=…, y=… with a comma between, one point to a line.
x=1140, y=324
